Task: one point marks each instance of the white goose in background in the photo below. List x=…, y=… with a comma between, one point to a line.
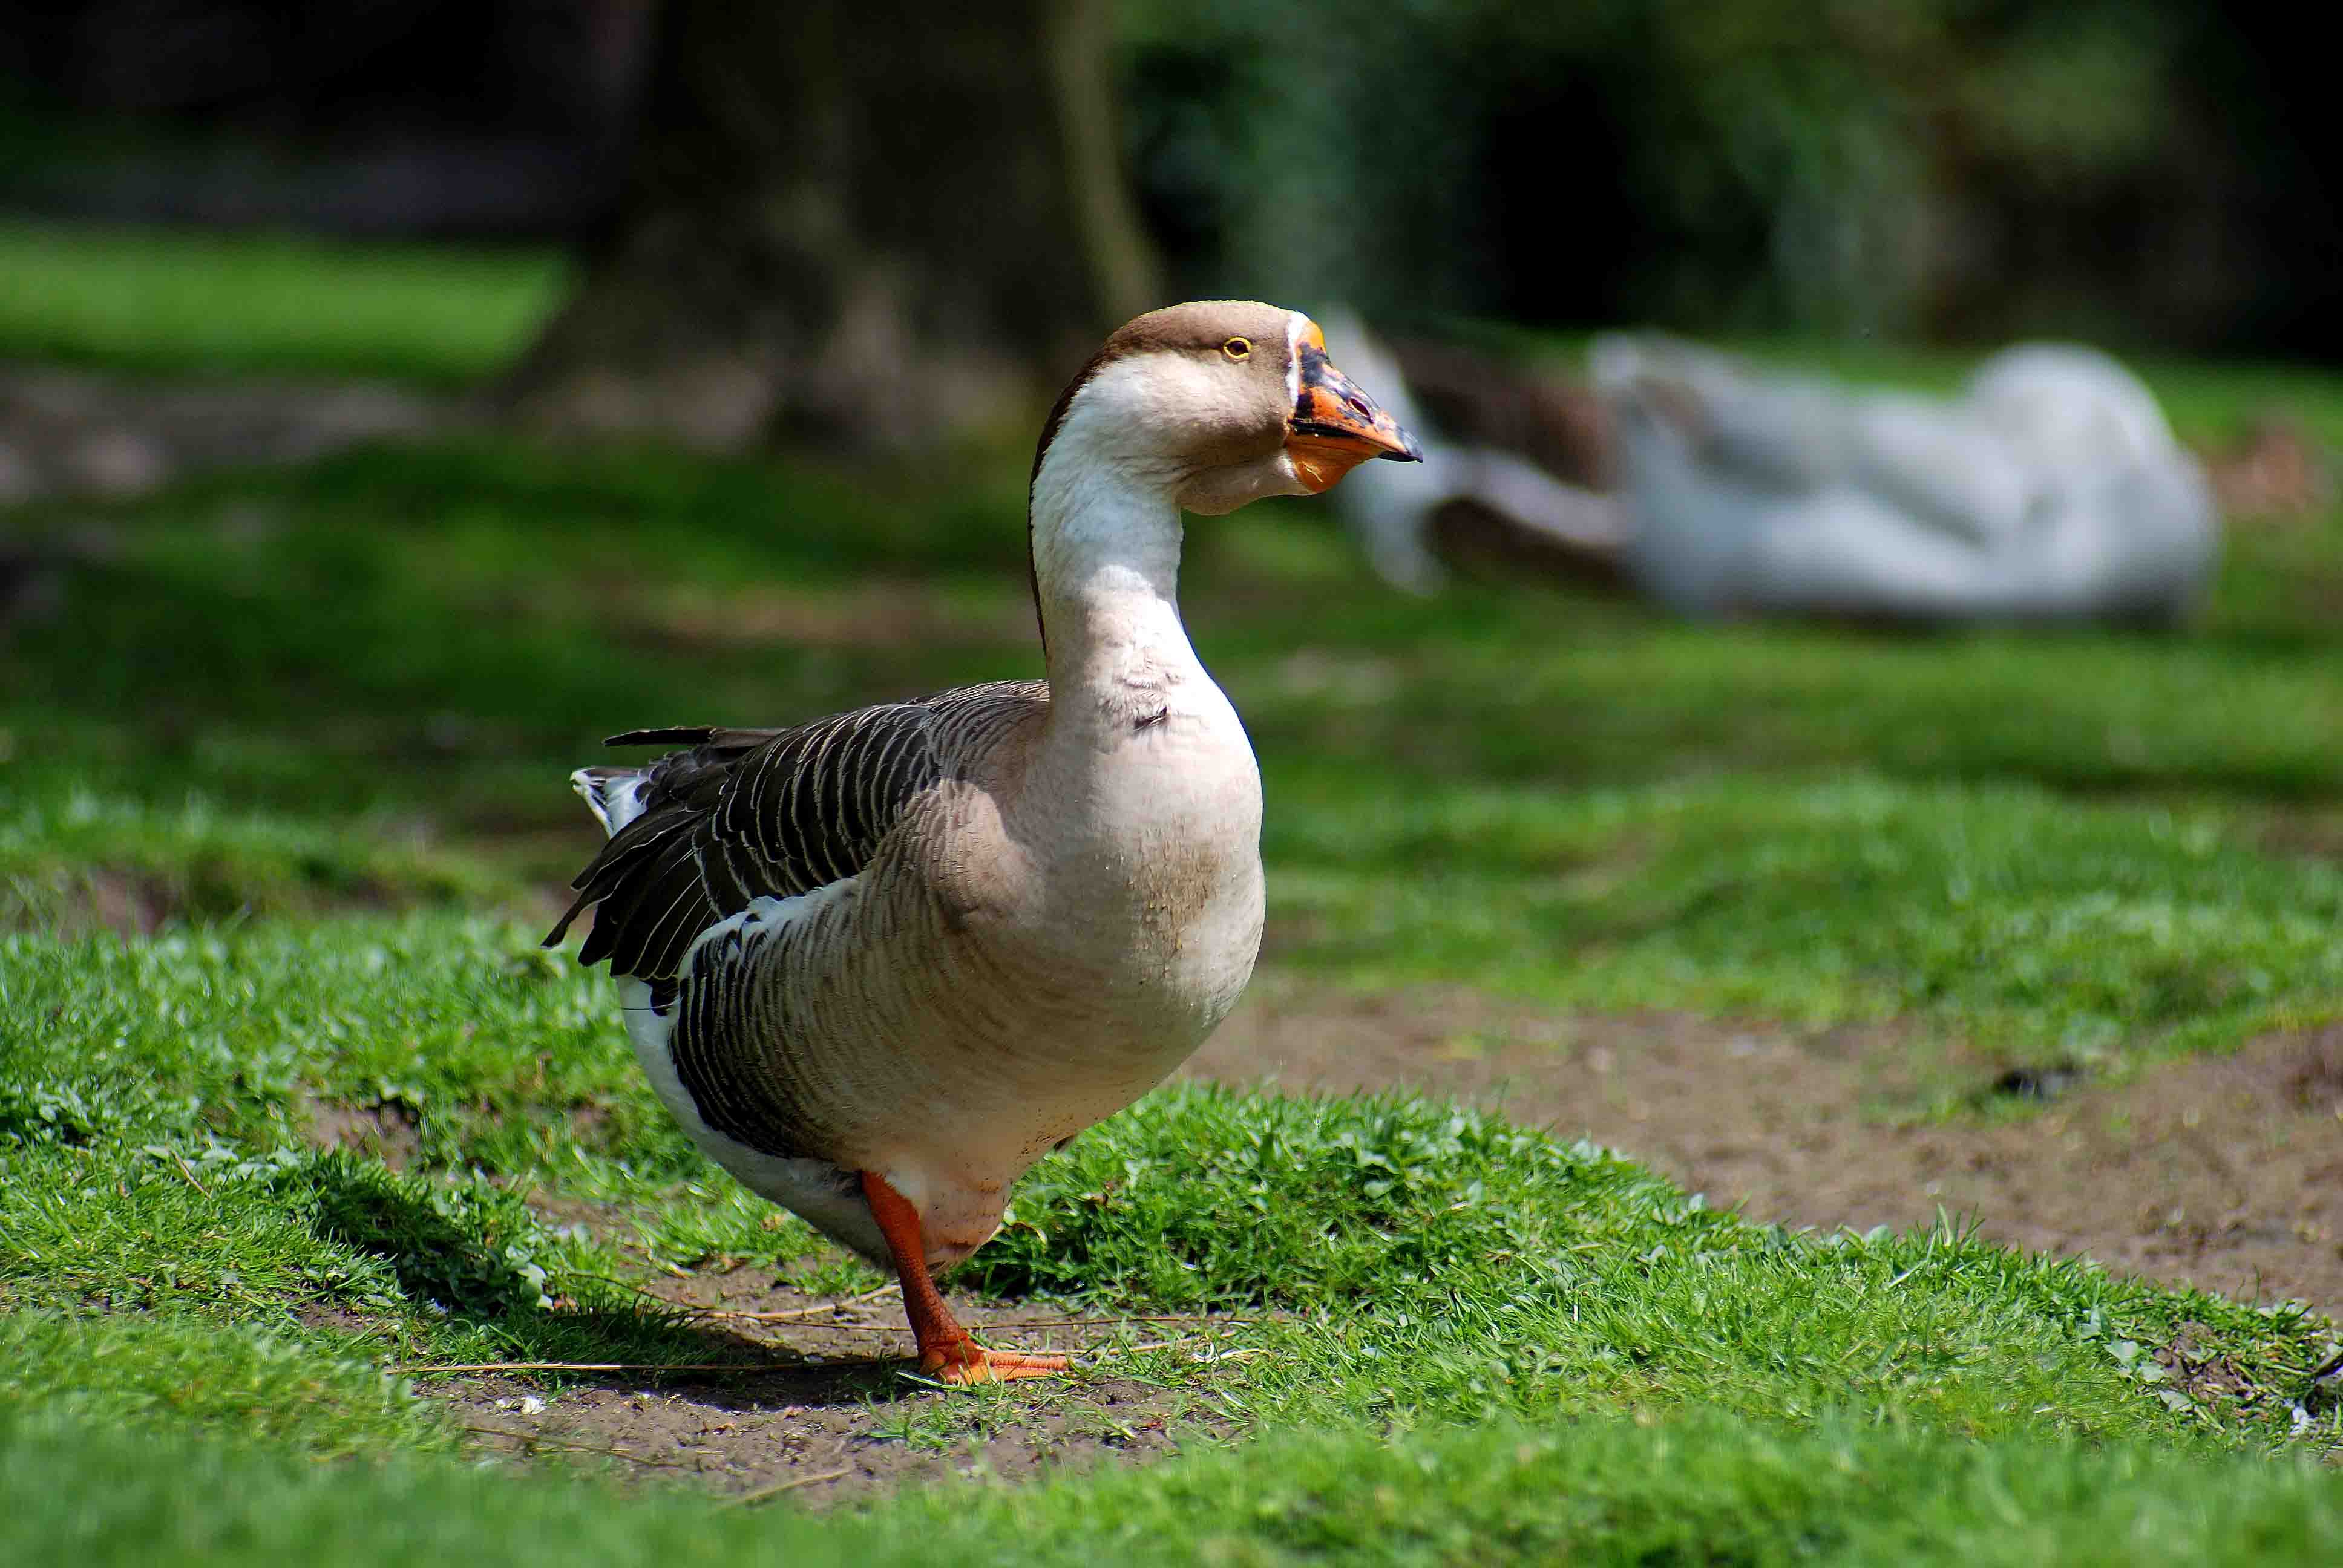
x=1391, y=511
x=879, y=963
x=2051, y=489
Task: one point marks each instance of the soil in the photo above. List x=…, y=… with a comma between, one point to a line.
x=880, y=613
x=2224, y=1173
x=832, y=1407
x=388, y=1132
x=75, y=900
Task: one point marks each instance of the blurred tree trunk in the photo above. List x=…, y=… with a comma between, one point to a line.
x=865, y=221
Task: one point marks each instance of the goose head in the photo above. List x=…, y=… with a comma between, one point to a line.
x=1217, y=403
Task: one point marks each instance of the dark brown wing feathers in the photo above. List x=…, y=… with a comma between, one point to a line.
x=744, y=814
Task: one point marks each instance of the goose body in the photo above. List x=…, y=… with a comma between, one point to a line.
x=879, y=963
x=1059, y=950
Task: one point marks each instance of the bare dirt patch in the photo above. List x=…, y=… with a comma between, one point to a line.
x=2224, y=1173
x=832, y=1407
x=82, y=432
x=818, y=1397
x=84, y=899
x=880, y=613
x=385, y=1130
x=81, y=900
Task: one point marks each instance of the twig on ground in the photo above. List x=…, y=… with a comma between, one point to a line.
x=531, y=1439
x=735, y=1368
x=651, y=1257
x=1140, y=1317
x=181, y=1160
x=628, y=1285
x=795, y=1314
x=751, y=1499
x=999, y=1324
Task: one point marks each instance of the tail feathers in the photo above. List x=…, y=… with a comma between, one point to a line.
x=613, y=794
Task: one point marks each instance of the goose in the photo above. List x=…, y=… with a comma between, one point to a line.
x=2050, y=488
x=879, y=963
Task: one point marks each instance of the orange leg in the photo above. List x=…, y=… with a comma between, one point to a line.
x=946, y=1350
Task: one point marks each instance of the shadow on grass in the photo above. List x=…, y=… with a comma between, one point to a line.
x=476, y=1254
x=465, y=1251
x=473, y=1252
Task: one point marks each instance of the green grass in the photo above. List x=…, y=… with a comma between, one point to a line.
x=176, y=1259
x=118, y=1371
x=82, y=859
x=316, y=722
x=2023, y=923
x=1442, y=1263
x=191, y=303
x=1706, y=1491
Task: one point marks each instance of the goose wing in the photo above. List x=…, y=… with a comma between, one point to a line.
x=745, y=814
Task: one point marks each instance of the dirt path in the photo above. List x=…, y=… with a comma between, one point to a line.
x=2226, y=1174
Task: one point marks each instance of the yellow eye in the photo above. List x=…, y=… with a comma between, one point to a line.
x=1236, y=348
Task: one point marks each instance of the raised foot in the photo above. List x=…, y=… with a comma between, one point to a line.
x=966, y=1362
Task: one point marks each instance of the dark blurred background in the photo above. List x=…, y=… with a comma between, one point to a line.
x=789, y=204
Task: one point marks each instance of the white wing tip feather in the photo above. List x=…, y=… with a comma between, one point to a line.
x=615, y=802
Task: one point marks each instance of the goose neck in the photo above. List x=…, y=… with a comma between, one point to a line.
x=1106, y=575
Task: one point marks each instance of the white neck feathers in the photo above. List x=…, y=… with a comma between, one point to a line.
x=1106, y=538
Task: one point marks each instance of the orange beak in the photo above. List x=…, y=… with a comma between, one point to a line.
x=1335, y=427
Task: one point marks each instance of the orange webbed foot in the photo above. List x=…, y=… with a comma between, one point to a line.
x=965, y=1361
x=947, y=1352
